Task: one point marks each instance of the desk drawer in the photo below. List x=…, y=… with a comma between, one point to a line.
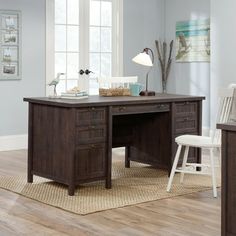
x=90, y=161
x=186, y=125
x=91, y=134
x=133, y=109
x=186, y=108
x=91, y=116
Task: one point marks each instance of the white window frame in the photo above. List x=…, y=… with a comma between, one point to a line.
x=117, y=40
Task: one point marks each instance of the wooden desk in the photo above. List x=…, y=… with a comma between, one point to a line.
x=228, y=188
x=70, y=141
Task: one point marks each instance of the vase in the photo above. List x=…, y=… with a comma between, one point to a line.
x=164, y=86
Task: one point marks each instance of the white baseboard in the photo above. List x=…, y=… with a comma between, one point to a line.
x=13, y=142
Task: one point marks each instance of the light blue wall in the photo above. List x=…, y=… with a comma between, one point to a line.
x=223, y=37
x=143, y=24
x=188, y=78
x=13, y=112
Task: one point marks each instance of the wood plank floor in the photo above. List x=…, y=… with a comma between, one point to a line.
x=189, y=215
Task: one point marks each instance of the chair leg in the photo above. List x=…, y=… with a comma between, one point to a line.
x=174, y=168
x=213, y=175
x=219, y=156
x=184, y=163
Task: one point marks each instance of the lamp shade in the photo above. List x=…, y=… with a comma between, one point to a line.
x=143, y=59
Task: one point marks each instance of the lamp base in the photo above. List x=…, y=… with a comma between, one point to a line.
x=147, y=93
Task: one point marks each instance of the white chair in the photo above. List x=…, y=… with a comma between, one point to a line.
x=210, y=143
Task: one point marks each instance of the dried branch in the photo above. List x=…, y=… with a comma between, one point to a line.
x=159, y=55
x=165, y=64
x=169, y=60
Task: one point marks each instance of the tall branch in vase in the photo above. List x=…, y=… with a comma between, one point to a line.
x=164, y=62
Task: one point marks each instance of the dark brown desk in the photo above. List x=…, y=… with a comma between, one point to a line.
x=70, y=141
x=228, y=188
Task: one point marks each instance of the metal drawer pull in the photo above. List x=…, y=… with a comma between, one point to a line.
x=162, y=106
x=92, y=146
x=92, y=127
x=187, y=119
x=122, y=108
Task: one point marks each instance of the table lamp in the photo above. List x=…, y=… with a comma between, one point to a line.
x=144, y=59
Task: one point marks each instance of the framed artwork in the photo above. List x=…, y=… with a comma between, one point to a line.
x=193, y=41
x=9, y=70
x=10, y=45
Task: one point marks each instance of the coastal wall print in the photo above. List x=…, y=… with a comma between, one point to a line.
x=10, y=45
x=193, y=41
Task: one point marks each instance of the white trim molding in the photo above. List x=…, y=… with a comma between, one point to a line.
x=13, y=142
x=118, y=29
x=49, y=44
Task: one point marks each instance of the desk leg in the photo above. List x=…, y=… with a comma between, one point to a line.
x=29, y=178
x=109, y=166
x=108, y=183
x=109, y=150
x=30, y=145
x=71, y=189
x=127, y=156
x=30, y=166
x=109, y=163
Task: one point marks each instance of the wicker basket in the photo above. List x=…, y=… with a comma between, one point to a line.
x=114, y=92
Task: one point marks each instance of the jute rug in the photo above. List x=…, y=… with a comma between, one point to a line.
x=138, y=184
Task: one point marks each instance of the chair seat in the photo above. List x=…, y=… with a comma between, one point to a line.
x=196, y=141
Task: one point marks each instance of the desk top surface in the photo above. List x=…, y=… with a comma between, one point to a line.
x=230, y=126
x=105, y=101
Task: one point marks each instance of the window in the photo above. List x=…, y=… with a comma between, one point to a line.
x=87, y=34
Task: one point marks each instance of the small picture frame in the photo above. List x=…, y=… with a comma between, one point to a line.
x=9, y=38
x=10, y=21
x=10, y=54
x=7, y=57
x=10, y=45
x=9, y=70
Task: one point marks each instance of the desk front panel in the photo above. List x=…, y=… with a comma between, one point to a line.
x=228, y=183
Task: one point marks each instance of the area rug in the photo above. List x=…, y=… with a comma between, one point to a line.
x=130, y=186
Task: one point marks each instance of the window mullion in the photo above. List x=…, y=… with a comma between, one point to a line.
x=84, y=48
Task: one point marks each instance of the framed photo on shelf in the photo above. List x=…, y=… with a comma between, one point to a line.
x=10, y=45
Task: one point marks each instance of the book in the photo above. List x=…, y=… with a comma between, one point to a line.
x=77, y=94
x=73, y=97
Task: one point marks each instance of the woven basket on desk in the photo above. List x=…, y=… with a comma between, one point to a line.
x=114, y=92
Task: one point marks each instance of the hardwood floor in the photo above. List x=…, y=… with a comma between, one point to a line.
x=189, y=215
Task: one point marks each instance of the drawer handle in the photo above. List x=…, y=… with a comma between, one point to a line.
x=92, y=127
x=93, y=108
x=92, y=146
x=122, y=108
x=187, y=119
x=162, y=106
